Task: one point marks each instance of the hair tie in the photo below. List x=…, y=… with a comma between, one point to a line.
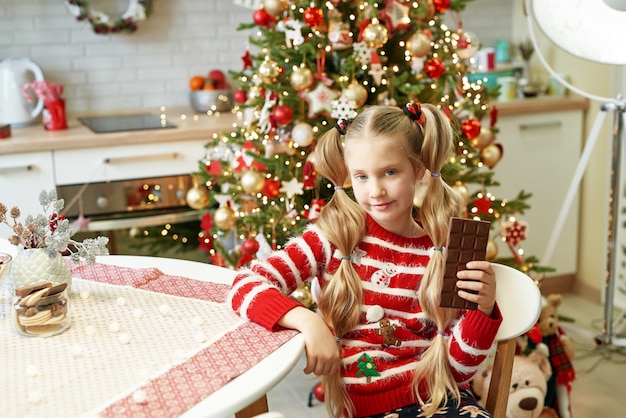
x=440, y=249
x=342, y=125
x=338, y=188
x=440, y=332
x=435, y=174
x=414, y=111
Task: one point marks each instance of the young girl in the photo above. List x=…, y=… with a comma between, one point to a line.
x=379, y=340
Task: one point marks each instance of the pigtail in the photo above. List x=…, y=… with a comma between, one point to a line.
x=440, y=203
x=342, y=221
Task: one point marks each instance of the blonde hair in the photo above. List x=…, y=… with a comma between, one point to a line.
x=427, y=144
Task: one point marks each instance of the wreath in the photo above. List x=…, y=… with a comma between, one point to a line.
x=102, y=23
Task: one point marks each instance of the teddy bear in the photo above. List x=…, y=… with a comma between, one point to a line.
x=561, y=352
x=528, y=387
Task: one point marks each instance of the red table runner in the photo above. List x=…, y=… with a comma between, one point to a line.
x=187, y=383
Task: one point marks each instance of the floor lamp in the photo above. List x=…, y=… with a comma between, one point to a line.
x=585, y=28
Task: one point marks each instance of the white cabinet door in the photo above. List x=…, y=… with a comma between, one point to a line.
x=22, y=178
x=541, y=152
x=92, y=165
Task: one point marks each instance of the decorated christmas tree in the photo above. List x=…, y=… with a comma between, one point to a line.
x=311, y=63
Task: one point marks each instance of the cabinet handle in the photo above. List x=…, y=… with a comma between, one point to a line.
x=540, y=125
x=27, y=167
x=117, y=160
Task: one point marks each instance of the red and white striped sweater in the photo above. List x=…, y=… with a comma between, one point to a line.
x=377, y=372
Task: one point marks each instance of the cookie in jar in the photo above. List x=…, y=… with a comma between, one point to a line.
x=42, y=309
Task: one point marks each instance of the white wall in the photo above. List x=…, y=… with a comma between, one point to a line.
x=152, y=66
x=147, y=68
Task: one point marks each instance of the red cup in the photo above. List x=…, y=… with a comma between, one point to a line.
x=54, y=115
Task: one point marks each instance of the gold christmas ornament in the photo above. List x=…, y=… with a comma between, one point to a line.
x=269, y=70
x=303, y=295
x=275, y=7
x=197, y=197
x=462, y=190
x=484, y=138
x=492, y=250
x=491, y=155
x=224, y=218
x=355, y=92
x=301, y=78
x=375, y=35
x=418, y=45
x=252, y=181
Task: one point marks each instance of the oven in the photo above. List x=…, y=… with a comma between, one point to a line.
x=147, y=216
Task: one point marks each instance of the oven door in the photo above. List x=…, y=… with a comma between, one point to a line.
x=140, y=217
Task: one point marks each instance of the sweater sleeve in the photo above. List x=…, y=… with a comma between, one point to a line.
x=471, y=342
x=260, y=293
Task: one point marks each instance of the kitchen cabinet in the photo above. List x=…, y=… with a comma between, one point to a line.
x=541, y=149
x=80, y=166
x=33, y=159
x=21, y=173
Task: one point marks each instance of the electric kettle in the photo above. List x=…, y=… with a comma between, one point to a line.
x=14, y=108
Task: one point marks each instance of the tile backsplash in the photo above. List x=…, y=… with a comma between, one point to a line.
x=152, y=66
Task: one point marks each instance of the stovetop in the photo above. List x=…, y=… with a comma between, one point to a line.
x=120, y=123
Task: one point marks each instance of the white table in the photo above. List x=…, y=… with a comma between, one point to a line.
x=249, y=387
x=243, y=396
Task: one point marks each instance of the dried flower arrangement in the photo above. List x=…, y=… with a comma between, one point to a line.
x=51, y=230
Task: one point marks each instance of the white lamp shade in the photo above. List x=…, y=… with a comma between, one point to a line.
x=591, y=29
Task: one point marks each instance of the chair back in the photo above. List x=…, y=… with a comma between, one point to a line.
x=519, y=300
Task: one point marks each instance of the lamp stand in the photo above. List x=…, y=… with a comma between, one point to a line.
x=618, y=108
x=608, y=337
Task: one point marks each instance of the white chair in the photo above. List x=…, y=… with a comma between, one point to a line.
x=519, y=299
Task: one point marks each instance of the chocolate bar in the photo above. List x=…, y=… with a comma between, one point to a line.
x=467, y=241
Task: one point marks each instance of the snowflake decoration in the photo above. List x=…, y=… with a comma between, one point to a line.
x=364, y=52
x=292, y=187
x=513, y=231
x=343, y=109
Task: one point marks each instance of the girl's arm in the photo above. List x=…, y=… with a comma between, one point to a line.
x=322, y=351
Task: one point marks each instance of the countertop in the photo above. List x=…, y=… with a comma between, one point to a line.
x=191, y=126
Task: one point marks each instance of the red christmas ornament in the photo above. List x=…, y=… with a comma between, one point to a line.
x=313, y=16
x=271, y=188
x=240, y=96
x=206, y=222
x=214, y=168
x=250, y=246
x=493, y=114
x=309, y=177
x=441, y=5
x=470, y=128
x=262, y=18
x=247, y=61
x=282, y=114
x=483, y=204
x=434, y=68
x=318, y=393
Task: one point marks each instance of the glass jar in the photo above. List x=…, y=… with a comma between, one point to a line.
x=42, y=309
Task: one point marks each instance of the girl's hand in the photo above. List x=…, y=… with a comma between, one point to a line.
x=481, y=279
x=323, y=355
